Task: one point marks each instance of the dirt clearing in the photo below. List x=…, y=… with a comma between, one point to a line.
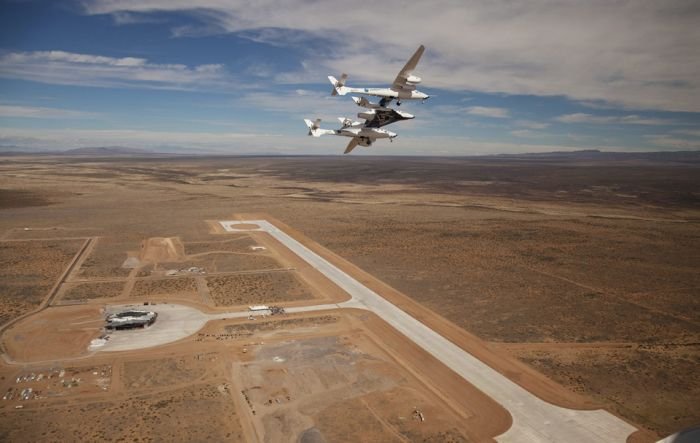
x=244, y=289
x=89, y=291
x=28, y=270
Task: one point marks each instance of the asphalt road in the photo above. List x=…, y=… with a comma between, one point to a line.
x=534, y=420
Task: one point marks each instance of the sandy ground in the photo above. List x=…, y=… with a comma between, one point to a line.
x=29, y=270
x=512, y=252
x=279, y=380
x=55, y=333
x=178, y=322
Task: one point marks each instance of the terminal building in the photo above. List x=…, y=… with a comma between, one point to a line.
x=131, y=319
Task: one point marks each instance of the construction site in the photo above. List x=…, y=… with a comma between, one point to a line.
x=282, y=373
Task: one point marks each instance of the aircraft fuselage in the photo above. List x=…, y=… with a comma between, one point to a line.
x=359, y=131
x=389, y=93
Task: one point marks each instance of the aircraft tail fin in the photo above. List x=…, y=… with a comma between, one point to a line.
x=364, y=103
x=338, y=85
x=315, y=128
x=361, y=101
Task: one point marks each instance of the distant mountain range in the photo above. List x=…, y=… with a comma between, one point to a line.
x=107, y=150
x=595, y=154
x=582, y=155
x=99, y=151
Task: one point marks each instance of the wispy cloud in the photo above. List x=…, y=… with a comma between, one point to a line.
x=13, y=111
x=683, y=139
x=525, y=133
x=69, y=68
x=484, y=111
x=576, y=49
x=301, y=103
x=669, y=141
x=529, y=124
x=690, y=132
x=127, y=18
x=580, y=117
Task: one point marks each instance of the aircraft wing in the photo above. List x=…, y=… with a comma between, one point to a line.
x=353, y=142
x=400, y=81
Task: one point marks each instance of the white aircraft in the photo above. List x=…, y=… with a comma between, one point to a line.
x=361, y=134
x=403, y=88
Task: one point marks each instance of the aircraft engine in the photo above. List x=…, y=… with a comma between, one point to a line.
x=367, y=115
x=413, y=79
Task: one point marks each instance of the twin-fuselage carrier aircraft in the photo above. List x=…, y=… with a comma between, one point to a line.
x=376, y=115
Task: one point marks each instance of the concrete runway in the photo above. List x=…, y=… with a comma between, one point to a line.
x=534, y=420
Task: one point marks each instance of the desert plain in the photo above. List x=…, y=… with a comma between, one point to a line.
x=576, y=278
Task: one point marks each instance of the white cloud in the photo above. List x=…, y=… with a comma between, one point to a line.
x=637, y=120
x=71, y=57
x=630, y=53
x=13, y=111
x=580, y=117
x=68, y=68
x=126, y=18
x=484, y=111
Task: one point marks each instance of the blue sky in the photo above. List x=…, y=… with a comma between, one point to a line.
x=239, y=77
